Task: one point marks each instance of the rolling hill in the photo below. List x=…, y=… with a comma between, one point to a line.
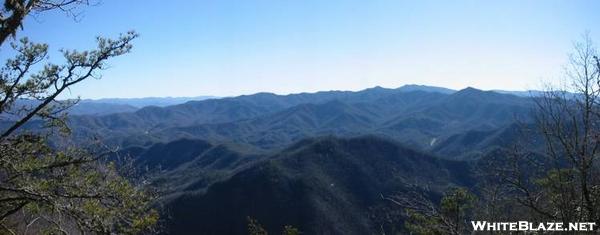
x=322, y=186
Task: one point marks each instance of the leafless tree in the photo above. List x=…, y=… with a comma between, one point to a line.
x=561, y=182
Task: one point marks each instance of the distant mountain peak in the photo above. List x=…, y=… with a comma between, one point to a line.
x=415, y=87
x=470, y=88
x=470, y=91
x=376, y=89
x=266, y=94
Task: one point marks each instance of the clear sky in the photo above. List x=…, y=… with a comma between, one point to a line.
x=224, y=48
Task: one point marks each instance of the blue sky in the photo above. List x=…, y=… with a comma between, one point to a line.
x=224, y=48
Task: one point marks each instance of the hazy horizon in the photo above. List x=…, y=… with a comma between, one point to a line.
x=231, y=48
x=300, y=92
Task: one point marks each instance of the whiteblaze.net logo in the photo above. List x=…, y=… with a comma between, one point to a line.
x=527, y=226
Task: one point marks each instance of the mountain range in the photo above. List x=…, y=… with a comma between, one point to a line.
x=268, y=121
x=320, y=161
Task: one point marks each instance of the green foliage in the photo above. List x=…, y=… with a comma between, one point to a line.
x=558, y=193
x=457, y=204
x=58, y=189
x=290, y=230
x=450, y=218
x=419, y=223
x=254, y=228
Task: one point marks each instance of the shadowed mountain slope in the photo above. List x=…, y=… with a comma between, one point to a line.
x=322, y=186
